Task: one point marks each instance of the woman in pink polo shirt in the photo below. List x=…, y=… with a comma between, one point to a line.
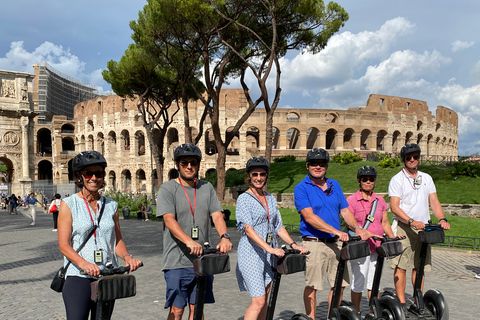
x=370, y=210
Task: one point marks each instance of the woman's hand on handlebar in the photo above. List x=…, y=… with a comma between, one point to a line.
x=91, y=269
x=277, y=252
x=133, y=263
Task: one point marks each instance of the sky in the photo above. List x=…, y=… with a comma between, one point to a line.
x=426, y=50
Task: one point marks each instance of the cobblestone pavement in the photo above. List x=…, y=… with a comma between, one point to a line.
x=29, y=256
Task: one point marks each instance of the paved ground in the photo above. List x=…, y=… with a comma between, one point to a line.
x=29, y=256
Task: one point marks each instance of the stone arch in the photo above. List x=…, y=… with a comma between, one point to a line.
x=408, y=137
x=68, y=128
x=126, y=180
x=141, y=180
x=210, y=171
x=70, y=172
x=9, y=175
x=172, y=174
x=172, y=137
x=82, y=143
x=312, y=134
x=112, y=142
x=331, y=117
x=112, y=179
x=364, y=137
x=348, y=142
x=90, y=142
x=419, y=138
x=68, y=144
x=438, y=126
x=126, y=139
x=90, y=126
x=292, y=136
x=45, y=170
x=140, y=143
x=234, y=145
x=419, y=125
x=381, y=134
x=100, y=143
x=275, y=138
x=330, y=138
x=292, y=117
x=396, y=143
x=210, y=147
x=429, y=144
x=44, y=142
x=253, y=138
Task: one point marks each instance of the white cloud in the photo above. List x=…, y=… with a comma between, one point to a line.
x=19, y=59
x=461, y=45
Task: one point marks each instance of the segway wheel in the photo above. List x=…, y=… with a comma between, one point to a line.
x=391, y=308
x=301, y=316
x=436, y=304
x=348, y=313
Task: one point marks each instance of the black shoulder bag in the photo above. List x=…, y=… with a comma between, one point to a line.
x=59, y=278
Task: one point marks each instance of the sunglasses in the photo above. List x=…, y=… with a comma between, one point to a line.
x=408, y=158
x=90, y=174
x=316, y=164
x=328, y=191
x=185, y=163
x=371, y=179
x=261, y=174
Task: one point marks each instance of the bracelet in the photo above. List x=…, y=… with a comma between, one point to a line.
x=357, y=227
x=291, y=244
x=128, y=254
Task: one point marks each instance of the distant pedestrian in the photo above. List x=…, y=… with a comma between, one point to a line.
x=56, y=202
x=31, y=202
x=13, y=204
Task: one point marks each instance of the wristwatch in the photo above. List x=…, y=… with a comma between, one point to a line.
x=410, y=221
x=443, y=219
x=225, y=235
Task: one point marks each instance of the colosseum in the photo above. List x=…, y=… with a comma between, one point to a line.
x=114, y=126
x=37, y=145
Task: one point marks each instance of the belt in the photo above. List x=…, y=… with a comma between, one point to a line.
x=325, y=240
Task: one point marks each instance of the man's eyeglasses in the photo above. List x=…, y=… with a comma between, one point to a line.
x=365, y=179
x=329, y=190
x=316, y=164
x=261, y=174
x=90, y=174
x=408, y=158
x=185, y=163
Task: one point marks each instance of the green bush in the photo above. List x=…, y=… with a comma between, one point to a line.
x=469, y=169
x=346, y=158
x=234, y=178
x=126, y=199
x=286, y=158
x=390, y=162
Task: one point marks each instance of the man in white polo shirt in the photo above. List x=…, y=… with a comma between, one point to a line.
x=410, y=193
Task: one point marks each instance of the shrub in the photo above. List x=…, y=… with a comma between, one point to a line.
x=390, y=162
x=469, y=169
x=346, y=158
x=286, y=158
x=126, y=199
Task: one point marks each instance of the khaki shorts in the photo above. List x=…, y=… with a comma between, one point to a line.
x=410, y=258
x=323, y=260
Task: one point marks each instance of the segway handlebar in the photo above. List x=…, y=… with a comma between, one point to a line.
x=109, y=270
x=208, y=250
x=388, y=239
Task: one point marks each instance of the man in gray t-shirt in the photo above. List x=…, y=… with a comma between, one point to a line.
x=186, y=205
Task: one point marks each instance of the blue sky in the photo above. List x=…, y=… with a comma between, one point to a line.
x=426, y=50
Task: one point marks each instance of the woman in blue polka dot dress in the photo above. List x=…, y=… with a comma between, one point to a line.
x=259, y=221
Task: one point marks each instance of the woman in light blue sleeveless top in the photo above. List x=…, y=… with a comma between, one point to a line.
x=78, y=216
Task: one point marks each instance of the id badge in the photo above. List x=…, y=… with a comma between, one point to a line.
x=194, y=233
x=268, y=240
x=98, y=255
x=370, y=218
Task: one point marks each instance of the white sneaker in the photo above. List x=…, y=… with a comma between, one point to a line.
x=477, y=276
x=32, y=224
x=146, y=219
x=54, y=230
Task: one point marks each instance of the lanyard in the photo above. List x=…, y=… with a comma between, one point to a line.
x=192, y=209
x=409, y=182
x=91, y=218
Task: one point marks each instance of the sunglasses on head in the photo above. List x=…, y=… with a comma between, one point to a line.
x=316, y=164
x=408, y=158
x=185, y=163
x=90, y=174
x=261, y=174
x=365, y=179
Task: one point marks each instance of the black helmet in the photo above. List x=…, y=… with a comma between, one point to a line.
x=318, y=154
x=187, y=150
x=409, y=148
x=366, y=171
x=257, y=162
x=87, y=158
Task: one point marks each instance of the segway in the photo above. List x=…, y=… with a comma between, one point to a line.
x=431, y=305
x=210, y=262
x=388, y=307
x=290, y=263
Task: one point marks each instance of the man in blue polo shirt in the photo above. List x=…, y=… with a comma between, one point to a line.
x=320, y=201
